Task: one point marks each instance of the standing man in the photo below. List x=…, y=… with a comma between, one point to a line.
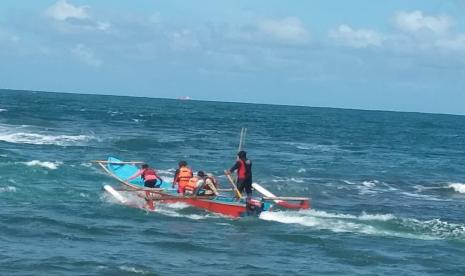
x=182, y=176
x=244, y=173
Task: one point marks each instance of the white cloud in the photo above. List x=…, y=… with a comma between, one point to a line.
x=288, y=30
x=62, y=10
x=70, y=18
x=416, y=22
x=184, y=40
x=103, y=26
x=456, y=43
x=361, y=38
x=86, y=55
x=6, y=36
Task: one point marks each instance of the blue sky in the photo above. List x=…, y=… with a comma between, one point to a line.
x=398, y=55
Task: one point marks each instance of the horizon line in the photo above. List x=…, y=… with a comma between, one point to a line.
x=234, y=102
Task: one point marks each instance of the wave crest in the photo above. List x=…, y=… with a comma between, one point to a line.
x=458, y=187
x=370, y=224
x=43, y=164
x=7, y=189
x=43, y=139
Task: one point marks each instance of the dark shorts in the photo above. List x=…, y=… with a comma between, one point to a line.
x=150, y=183
x=245, y=184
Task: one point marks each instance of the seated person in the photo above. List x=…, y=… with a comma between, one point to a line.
x=206, y=184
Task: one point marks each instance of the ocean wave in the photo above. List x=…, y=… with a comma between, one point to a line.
x=314, y=147
x=370, y=184
x=8, y=189
x=370, y=224
x=422, y=197
x=166, y=209
x=3, y=110
x=458, y=187
x=86, y=164
x=43, y=139
x=43, y=164
x=168, y=171
x=367, y=187
x=131, y=269
x=288, y=179
x=302, y=170
x=455, y=187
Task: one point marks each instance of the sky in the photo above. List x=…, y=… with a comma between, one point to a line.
x=363, y=54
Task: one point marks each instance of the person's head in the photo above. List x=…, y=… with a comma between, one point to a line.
x=242, y=154
x=182, y=163
x=201, y=174
x=145, y=166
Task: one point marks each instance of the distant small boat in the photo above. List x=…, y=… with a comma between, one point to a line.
x=184, y=98
x=224, y=205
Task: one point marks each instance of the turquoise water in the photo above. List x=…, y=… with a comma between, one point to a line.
x=388, y=188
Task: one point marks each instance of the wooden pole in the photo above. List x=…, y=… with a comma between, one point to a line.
x=117, y=162
x=289, y=198
x=228, y=176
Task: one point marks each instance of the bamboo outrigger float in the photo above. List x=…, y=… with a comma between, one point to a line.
x=226, y=205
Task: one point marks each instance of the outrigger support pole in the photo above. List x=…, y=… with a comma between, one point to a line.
x=242, y=139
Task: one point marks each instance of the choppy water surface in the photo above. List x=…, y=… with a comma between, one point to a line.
x=388, y=188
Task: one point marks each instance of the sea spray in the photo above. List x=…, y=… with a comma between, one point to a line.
x=370, y=224
x=458, y=187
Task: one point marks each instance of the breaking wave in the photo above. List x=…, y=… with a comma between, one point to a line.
x=458, y=187
x=370, y=224
x=314, y=147
x=42, y=139
x=130, y=269
x=7, y=189
x=288, y=179
x=455, y=187
x=166, y=209
x=43, y=164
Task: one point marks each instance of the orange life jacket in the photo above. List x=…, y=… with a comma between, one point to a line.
x=192, y=184
x=185, y=173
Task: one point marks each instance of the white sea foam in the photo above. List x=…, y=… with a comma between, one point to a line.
x=370, y=224
x=3, y=110
x=133, y=270
x=7, y=189
x=288, y=179
x=301, y=170
x=423, y=197
x=458, y=187
x=43, y=139
x=368, y=187
x=166, y=209
x=167, y=172
x=370, y=184
x=43, y=164
x=314, y=147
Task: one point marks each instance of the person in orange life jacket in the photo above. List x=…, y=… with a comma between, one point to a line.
x=149, y=176
x=244, y=173
x=191, y=187
x=207, y=184
x=182, y=176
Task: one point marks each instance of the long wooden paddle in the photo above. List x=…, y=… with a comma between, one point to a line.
x=228, y=176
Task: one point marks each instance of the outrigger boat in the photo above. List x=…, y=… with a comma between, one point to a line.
x=221, y=204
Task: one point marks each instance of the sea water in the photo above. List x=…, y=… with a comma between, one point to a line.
x=387, y=188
